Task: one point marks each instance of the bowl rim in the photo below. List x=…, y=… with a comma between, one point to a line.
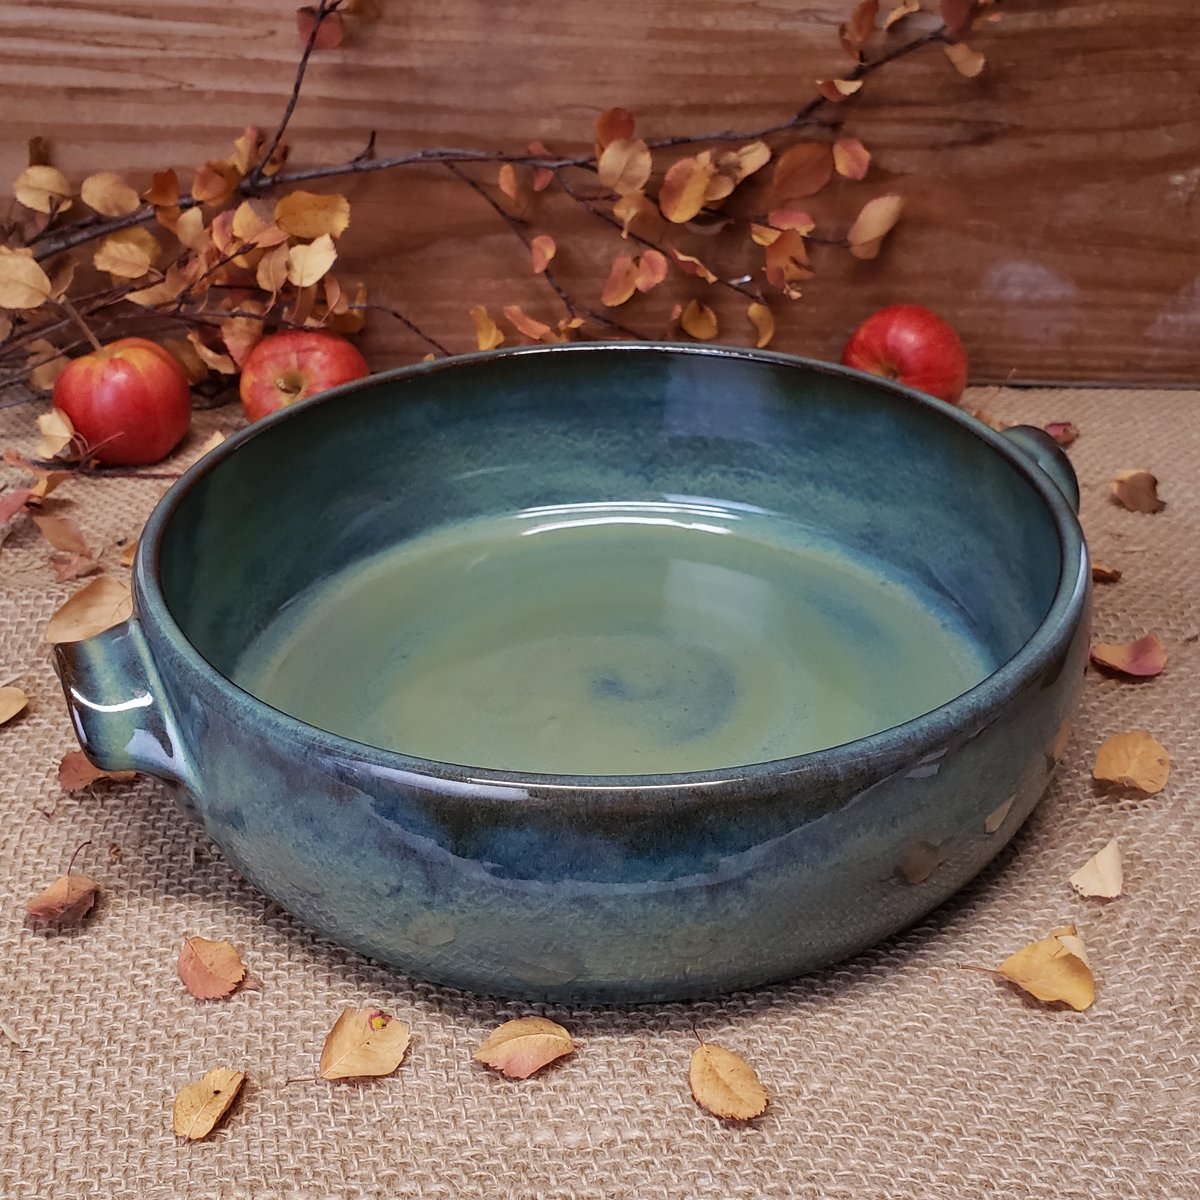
x=881, y=752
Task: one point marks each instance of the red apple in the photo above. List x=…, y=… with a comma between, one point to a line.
x=129, y=402
x=286, y=367
x=912, y=345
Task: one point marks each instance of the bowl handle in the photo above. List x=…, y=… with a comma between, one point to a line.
x=1048, y=455
x=115, y=698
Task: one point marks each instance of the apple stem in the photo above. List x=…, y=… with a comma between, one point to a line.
x=73, y=313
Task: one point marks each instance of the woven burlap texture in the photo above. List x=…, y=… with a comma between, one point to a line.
x=895, y=1075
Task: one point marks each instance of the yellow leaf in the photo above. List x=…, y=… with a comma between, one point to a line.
x=190, y=230
x=199, y=1106
x=689, y=264
x=625, y=165
x=1101, y=875
x=364, y=1041
x=621, y=282
x=209, y=970
x=522, y=1047
x=904, y=9
x=630, y=208
x=542, y=249
x=214, y=183
x=1142, y=659
x=751, y=157
x=246, y=150
x=306, y=264
x=252, y=224
x=487, y=335
x=272, y=270
x=838, y=89
x=122, y=257
x=725, y=1084
x=97, y=606
x=309, y=215
x=56, y=433
x=684, y=186
x=109, y=194
x=850, y=158
x=213, y=359
x=966, y=61
x=1135, y=759
x=1135, y=489
x=699, y=320
x=536, y=330
x=44, y=189
x=23, y=284
x=12, y=701
x=1053, y=969
x=873, y=223
x=763, y=322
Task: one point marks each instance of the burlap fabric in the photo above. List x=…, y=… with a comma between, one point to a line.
x=894, y=1075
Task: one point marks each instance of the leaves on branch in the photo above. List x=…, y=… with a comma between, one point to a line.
x=651, y=270
x=615, y=124
x=629, y=209
x=522, y=1047
x=621, y=282
x=309, y=215
x=837, y=90
x=44, y=189
x=957, y=16
x=689, y=264
x=125, y=254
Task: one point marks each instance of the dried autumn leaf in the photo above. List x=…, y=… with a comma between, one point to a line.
x=306, y=264
x=1101, y=876
x=629, y=209
x=801, y=170
x=271, y=273
x=725, y=1084
x=14, y=502
x=850, y=158
x=97, y=606
x=873, y=223
x=364, y=1041
x=209, y=970
x=12, y=701
x=1053, y=969
x=794, y=219
x=47, y=364
x=246, y=149
x=904, y=9
x=191, y=231
x=109, y=195
x=163, y=191
x=523, y=1047
x=966, y=61
x=621, y=282
x=860, y=25
x=23, y=284
x=1143, y=658
x=66, y=901
x=241, y=335
x=751, y=157
x=615, y=124
x=1063, y=432
x=213, y=359
x=77, y=771
x=625, y=165
x=55, y=432
x=506, y=180
x=199, y=1106
x=1102, y=573
x=684, y=186
x=542, y=249
x=309, y=214
x=1135, y=489
x=524, y=323
x=1135, y=759
x=67, y=567
x=689, y=264
x=42, y=188
x=326, y=36
x=214, y=183
x=838, y=89
x=651, y=270
x=699, y=321
x=122, y=257
x=487, y=335
x=764, y=323
x=786, y=259
x=253, y=222
x=63, y=534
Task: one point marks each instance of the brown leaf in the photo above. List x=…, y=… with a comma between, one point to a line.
x=1143, y=658
x=684, y=186
x=330, y=34
x=537, y=330
x=904, y=9
x=542, y=249
x=801, y=170
x=14, y=502
x=838, y=89
x=63, y=534
x=76, y=771
x=1101, y=876
x=651, y=270
x=364, y=1041
x=1063, y=432
x=621, y=282
x=616, y=124
x=725, y=1084
x=66, y=901
x=163, y=191
x=631, y=208
x=306, y=264
x=874, y=222
x=23, y=284
x=625, y=165
x=1102, y=573
x=122, y=256
x=214, y=183
x=68, y=567
x=690, y=265
x=957, y=16
x=191, y=362
x=209, y=970
x=43, y=188
x=487, y=335
x=97, y=606
x=850, y=158
x=764, y=323
x=129, y=551
x=56, y=433
x=309, y=214
x=521, y=1048
x=1135, y=760
x=699, y=321
x=1135, y=489
x=1053, y=969
x=12, y=701
x=199, y=1106
x=109, y=195
x=966, y=61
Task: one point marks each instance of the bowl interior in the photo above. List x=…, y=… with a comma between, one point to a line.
x=620, y=560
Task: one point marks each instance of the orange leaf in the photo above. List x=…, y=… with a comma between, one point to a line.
x=487, y=335
x=1135, y=489
x=684, y=186
x=873, y=223
x=1135, y=759
x=725, y=1084
x=625, y=165
x=362, y=1042
x=507, y=181
x=246, y=149
x=542, y=176
x=199, y=1106
x=787, y=263
x=795, y=219
x=76, y=772
x=629, y=208
x=838, y=89
x=309, y=215
x=329, y=34
x=1053, y=969
x=209, y=970
x=850, y=158
x=542, y=249
x=536, y=330
x=523, y=1047
x=66, y=901
x=12, y=701
x=1143, y=658
x=861, y=23
x=214, y=183
x=163, y=191
x=699, y=321
x=652, y=270
x=751, y=157
x=109, y=195
x=615, y=124
x=966, y=61
x=801, y=170
x=904, y=9
x=764, y=323
x=42, y=188
x=690, y=265
x=621, y=282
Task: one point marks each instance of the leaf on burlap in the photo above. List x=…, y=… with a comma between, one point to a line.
x=109, y=195
x=43, y=188
x=1135, y=759
x=63, y=534
x=66, y=901
x=1137, y=490
x=1054, y=969
x=12, y=701
x=523, y=1047
x=487, y=333
x=199, y=1106
x=725, y=1084
x=310, y=214
x=55, y=433
x=97, y=606
x=364, y=1041
x=209, y=970
x=77, y=771
x=1101, y=876
x=1103, y=573
x=764, y=323
x=1143, y=658
x=1065, y=433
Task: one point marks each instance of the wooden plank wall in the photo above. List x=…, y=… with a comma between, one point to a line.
x=1052, y=203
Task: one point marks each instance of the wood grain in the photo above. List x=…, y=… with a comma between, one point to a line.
x=1052, y=203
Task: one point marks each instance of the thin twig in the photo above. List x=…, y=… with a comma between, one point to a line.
x=409, y=324
x=65, y=304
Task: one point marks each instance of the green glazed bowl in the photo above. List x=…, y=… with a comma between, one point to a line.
x=605, y=673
